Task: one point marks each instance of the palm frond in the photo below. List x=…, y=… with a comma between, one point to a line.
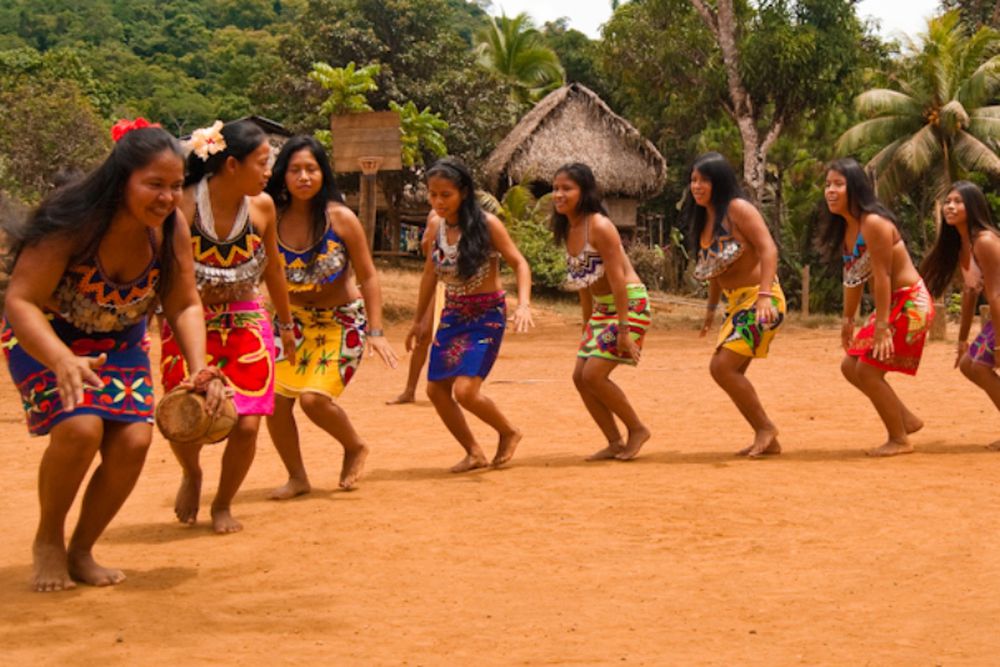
x=975, y=155
x=882, y=101
x=877, y=131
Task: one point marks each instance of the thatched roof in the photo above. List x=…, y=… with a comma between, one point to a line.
x=573, y=124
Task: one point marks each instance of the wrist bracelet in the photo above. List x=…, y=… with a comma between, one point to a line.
x=286, y=326
x=375, y=333
x=711, y=306
x=763, y=293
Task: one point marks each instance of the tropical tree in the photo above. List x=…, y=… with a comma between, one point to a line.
x=421, y=130
x=348, y=86
x=517, y=50
x=938, y=125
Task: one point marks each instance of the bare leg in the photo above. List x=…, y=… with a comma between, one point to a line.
x=595, y=376
x=602, y=416
x=469, y=395
x=331, y=418
x=849, y=366
x=236, y=460
x=417, y=359
x=123, y=453
x=728, y=370
x=986, y=379
x=451, y=414
x=871, y=381
x=71, y=449
x=188, y=498
x=285, y=436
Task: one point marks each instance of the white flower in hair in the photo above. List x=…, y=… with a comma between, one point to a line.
x=207, y=141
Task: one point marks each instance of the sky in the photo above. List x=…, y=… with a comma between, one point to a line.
x=896, y=16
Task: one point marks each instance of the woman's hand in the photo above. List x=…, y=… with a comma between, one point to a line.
x=417, y=333
x=381, y=345
x=210, y=382
x=288, y=344
x=522, y=318
x=960, y=350
x=709, y=320
x=766, y=312
x=627, y=346
x=847, y=332
x=73, y=375
x=883, y=348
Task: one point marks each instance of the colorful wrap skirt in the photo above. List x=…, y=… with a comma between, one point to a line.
x=740, y=331
x=240, y=342
x=329, y=344
x=600, y=336
x=468, y=336
x=911, y=312
x=127, y=395
x=983, y=348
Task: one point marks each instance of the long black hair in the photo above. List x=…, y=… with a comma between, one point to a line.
x=938, y=267
x=474, y=245
x=242, y=138
x=861, y=199
x=83, y=208
x=328, y=192
x=591, y=200
x=725, y=188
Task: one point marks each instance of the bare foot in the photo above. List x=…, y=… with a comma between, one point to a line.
x=51, y=572
x=290, y=489
x=402, y=399
x=188, y=497
x=611, y=451
x=636, y=439
x=354, y=465
x=506, y=447
x=912, y=423
x=223, y=521
x=891, y=448
x=83, y=568
x=995, y=446
x=764, y=443
x=471, y=462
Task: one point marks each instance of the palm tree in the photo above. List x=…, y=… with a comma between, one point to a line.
x=517, y=51
x=938, y=125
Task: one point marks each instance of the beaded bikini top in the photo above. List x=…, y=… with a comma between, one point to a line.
x=858, y=264
x=584, y=269
x=225, y=268
x=445, y=257
x=317, y=266
x=90, y=301
x=716, y=259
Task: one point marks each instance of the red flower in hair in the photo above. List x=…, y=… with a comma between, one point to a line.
x=124, y=126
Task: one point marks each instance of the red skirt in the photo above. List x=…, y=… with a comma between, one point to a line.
x=910, y=315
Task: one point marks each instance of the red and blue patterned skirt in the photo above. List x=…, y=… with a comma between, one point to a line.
x=127, y=395
x=468, y=338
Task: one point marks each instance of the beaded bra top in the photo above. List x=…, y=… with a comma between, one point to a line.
x=225, y=268
x=716, y=259
x=584, y=269
x=445, y=257
x=317, y=266
x=90, y=301
x=858, y=264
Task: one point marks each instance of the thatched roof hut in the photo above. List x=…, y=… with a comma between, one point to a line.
x=573, y=124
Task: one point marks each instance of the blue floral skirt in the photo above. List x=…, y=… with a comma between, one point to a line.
x=469, y=335
x=127, y=395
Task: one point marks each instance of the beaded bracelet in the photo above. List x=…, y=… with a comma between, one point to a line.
x=286, y=326
x=762, y=293
x=201, y=379
x=375, y=333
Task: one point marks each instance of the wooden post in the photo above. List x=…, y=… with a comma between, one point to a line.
x=366, y=202
x=939, y=325
x=805, y=291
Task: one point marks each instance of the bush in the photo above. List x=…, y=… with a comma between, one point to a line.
x=546, y=259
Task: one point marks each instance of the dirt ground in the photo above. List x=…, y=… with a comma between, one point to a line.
x=685, y=556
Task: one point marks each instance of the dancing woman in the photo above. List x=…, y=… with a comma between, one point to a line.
x=465, y=256
x=615, y=304
x=235, y=244
x=970, y=239
x=864, y=232
x=88, y=265
x=739, y=259
x=320, y=240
